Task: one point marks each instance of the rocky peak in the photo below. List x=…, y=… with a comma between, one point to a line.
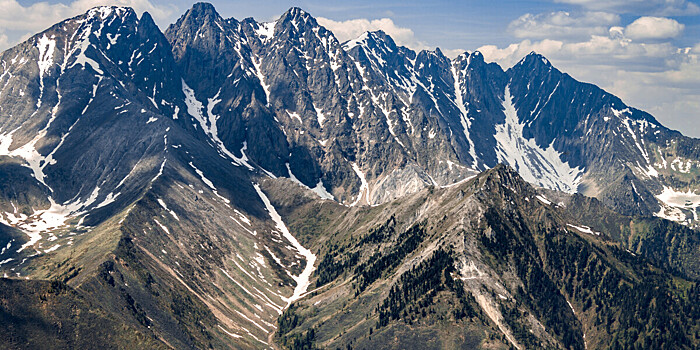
x=199, y=21
x=201, y=30
x=147, y=26
x=202, y=11
x=534, y=67
x=431, y=60
x=502, y=180
x=297, y=15
x=105, y=21
x=299, y=19
x=471, y=59
x=380, y=49
x=462, y=60
x=380, y=38
x=104, y=13
x=535, y=59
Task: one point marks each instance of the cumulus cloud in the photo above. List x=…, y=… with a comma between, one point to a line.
x=653, y=28
x=562, y=25
x=17, y=18
x=598, y=50
x=640, y=7
x=672, y=95
x=660, y=78
x=351, y=29
x=595, y=37
x=639, y=62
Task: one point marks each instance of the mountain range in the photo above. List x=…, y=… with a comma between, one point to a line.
x=240, y=184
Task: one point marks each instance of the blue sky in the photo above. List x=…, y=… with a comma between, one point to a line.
x=645, y=51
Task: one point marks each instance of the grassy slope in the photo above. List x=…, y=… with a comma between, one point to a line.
x=542, y=262
x=51, y=315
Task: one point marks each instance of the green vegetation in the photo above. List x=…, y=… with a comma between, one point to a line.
x=513, y=242
x=645, y=311
x=633, y=304
x=383, y=286
x=417, y=288
x=377, y=264
x=333, y=265
x=666, y=244
x=295, y=341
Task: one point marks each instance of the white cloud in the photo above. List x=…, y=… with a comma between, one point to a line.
x=614, y=51
x=351, y=29
x=36, y=17
x=639, y=7
x=653, y=28
x=657, y=77
x=671, y=95
x=562, y=25
x=452, y=53
x=639, y=61
x=3, y=40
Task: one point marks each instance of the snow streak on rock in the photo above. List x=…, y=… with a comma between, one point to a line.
x=464, y=116
x=194, y=108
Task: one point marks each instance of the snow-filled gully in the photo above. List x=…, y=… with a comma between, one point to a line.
x=303, y=280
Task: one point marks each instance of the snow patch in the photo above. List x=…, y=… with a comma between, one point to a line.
x=542, y=167
x=82, y=45
x=683, y=167
x=673, y=201
x=47, y=220
x=258, y=73
x=52, y=248
x=303, y=279
x=162, y=204
x=364, y=187
x=209, y=183
x=584, y=229
x=295, y=115
x=320, y=116
x=162, y=226
x=109, y=199
x=543, y=199
x=319, y=190
x=266, y=31
x=46, y=47
x=679, y=199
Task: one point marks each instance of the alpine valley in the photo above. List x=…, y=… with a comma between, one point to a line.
x=233, y=184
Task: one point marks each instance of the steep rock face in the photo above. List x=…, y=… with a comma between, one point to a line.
x=306, y=71
x=481, y=86
x=288, y=97
x=338, y=113
x=597, y=134
x=414, y=93
x=333, y=115
x=219, y=70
